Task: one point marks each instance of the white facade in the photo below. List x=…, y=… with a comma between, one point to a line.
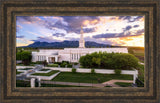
x=71, y=54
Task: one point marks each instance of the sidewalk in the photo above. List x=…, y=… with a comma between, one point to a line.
x=108, y=83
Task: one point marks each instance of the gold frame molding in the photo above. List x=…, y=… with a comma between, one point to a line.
x=12, y=8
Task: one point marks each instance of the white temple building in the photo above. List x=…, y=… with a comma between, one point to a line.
x=71, y=54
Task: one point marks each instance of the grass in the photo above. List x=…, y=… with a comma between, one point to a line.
x=46, y=74
x=141, y=72
x=58, y=85
x=22, y=83
x=108, y=86
x=26, y=68
x=124, y=84
x=44, y=69
x=25, y=65
x=139, y=54
x=52, y=65
x=89, y=78
x=18, y=72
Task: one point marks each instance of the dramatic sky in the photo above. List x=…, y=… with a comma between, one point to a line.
x=113, y=30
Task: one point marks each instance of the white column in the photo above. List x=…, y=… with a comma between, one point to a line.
x=32, y=82
x=56, y=59
x=47, y=59
x=39, y=82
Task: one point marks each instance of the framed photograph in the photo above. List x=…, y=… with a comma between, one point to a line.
x=79, y=51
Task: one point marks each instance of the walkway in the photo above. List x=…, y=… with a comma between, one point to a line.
x=112, y=82
x=108, y=83
x=71, y=83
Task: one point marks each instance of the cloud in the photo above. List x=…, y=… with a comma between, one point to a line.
x=88, y=30
x=128, y=41
x=19, y=36
x=19, y=27
x=135, y=26
x=99, y=40
x=116, y=35
x=27, y=19
x=59, y=34
x=95, y=28
x=75, y=23
x=128, y=28
x=139, y=32
x=130, y=18
x=46, y=39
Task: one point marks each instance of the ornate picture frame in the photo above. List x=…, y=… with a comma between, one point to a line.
x=12, y=8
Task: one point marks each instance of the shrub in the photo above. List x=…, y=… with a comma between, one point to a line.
x=141, y=72
x=139, y=83
x=67, y=62
x=21, y=83
x=63, y=64
x=59, y=63
x=69, y=65
x=73, y=70
x=18, y=56
x=92, y=71
x=53, y=65
x=117, y=71
x=109, y=60
x=125, y=61
x=39, y=62
x=75, y=63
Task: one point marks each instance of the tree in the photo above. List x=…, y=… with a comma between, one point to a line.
x=45, y=63
x=25, y=56
x=109, y=60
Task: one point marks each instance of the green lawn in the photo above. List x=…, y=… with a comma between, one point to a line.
x=26, y=69
x=139, y=54
x=22, y=83
x=89, y=78
x=46, y=74
x=18, y=72
x=108, y=86
x=52, y=65
x=44, y=69
x=141, y=72
x=25, y=65
x=124, y=84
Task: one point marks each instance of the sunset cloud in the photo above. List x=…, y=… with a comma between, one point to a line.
x=113, y=30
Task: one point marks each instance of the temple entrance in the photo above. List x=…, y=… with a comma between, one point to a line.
x=52, y=59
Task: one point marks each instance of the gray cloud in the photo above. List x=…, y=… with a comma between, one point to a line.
x=115, y=35
x=19, y=36
x=135, y=26
x=45, y=39
x=58, y=34
x=129, y=18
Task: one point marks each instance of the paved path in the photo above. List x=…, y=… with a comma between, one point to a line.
x=112, y=82
x=141, y=63
x=71, y=83
x=108, y=83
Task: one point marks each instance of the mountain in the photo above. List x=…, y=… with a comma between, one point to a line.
x=65, y=44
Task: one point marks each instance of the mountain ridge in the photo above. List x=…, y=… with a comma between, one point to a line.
x=65, y=44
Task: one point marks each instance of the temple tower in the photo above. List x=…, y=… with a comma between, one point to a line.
x=81, y=41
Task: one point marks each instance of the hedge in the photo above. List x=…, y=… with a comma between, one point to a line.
x=109, y=60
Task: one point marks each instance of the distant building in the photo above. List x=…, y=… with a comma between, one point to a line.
x=71, y=54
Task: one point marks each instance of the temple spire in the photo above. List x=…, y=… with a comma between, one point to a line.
x=81, y=41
